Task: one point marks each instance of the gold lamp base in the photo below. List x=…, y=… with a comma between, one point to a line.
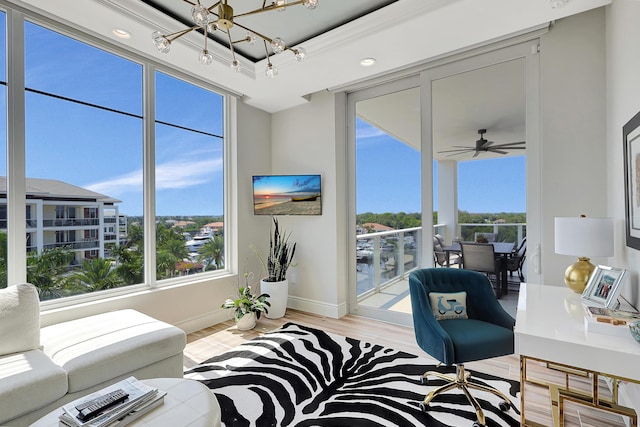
x=577, y=275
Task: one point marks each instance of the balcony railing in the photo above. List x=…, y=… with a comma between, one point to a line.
x=85, y=244
x=385, y=258
x=378, y=255
x=70, y=222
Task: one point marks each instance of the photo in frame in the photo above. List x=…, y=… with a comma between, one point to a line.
x=631, y=149
x=604, y=286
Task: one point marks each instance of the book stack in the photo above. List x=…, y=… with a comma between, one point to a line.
x=116, y=405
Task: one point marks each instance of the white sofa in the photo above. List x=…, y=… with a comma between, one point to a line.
x=43, y=368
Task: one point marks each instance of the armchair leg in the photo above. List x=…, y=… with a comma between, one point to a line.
x=461, y=381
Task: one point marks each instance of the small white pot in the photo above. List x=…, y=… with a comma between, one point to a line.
x=278, y=295
x=246, y=322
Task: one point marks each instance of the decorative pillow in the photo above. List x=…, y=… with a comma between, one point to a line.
x=449, y=305
x=19, y=319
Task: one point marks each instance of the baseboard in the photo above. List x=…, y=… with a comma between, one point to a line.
x=317, y=307
x=204, y=321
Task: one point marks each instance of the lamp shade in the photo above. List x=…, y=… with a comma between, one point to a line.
x=584, y=237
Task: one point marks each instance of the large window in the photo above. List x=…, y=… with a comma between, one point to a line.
x=189, y=180
x=85, y=154
x=84, y=145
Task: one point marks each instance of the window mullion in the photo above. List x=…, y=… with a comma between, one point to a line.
x=149, y=181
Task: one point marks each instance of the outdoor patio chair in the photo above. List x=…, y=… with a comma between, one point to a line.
x=516, y=261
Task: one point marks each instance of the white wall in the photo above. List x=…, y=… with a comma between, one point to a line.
x=310, y=139
x=623, y=102
x=573, y=147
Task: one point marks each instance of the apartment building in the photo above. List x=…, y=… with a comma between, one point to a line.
x=60, y=214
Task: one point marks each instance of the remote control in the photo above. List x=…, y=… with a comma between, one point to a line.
x=93, y=407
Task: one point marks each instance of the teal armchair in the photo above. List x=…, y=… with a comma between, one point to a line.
x=486, y=333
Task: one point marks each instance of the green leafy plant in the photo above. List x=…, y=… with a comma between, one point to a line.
x=246, y=302
x=280, y=255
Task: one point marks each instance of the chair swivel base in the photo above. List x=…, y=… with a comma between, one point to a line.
x=461, y=381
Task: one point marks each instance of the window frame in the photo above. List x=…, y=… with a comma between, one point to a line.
x=16, y=162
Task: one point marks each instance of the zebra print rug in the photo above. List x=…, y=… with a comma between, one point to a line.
x=300, y=376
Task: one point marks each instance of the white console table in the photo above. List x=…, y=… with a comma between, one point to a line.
x=550, y=329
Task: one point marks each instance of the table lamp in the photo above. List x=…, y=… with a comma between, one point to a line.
x=583, y=237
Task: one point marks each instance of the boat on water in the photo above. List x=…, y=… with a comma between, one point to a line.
x=311, y=198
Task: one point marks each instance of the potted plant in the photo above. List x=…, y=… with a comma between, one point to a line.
x=279, y=258
x=247, y=307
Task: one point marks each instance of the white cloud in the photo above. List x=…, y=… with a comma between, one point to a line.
x=177, y=174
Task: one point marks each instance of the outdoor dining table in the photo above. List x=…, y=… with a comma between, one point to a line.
x=503, y=251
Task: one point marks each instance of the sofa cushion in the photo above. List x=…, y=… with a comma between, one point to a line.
x=19, y=319
x=98, y=348
x=28, y=381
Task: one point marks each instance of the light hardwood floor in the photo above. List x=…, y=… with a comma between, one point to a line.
x=224, y=336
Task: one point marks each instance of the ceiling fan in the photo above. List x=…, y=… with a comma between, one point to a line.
x=483, y=145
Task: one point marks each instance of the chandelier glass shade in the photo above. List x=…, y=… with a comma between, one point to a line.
x=220, y=17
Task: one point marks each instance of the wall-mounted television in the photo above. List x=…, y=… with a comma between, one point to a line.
x=287, y=195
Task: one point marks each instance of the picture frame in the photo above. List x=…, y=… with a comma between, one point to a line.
x=631, y=150
x=604, y=286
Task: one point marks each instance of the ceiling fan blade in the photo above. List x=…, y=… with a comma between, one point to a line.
x=476, y=153
x=457, y=150
x=486, y=144
x=493, y=150
x=509, y=144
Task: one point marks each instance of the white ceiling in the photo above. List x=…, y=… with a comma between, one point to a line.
x=400, y=34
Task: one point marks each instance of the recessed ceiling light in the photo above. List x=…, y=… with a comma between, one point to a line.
x=367, y=62
x=121, y=33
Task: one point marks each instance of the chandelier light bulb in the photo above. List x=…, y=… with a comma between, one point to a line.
x=301, y=53
x=271, y=71
x=235, y=65
x=200, y=15
x=310, y=4
x=281, y=3
x=251, y=39
x=205, y=57
x=162, y=43
x=278, y=45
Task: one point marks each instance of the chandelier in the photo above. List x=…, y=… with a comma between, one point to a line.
x=220, y=17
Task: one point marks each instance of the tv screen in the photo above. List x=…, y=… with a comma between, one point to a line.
x=287, y=195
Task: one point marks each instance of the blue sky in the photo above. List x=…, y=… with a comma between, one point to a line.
x=388, y=178
x=101, y=150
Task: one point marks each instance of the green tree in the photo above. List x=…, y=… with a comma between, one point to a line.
x=48, y=271
x=129, y=264
x=213, y=252
x=98, y=274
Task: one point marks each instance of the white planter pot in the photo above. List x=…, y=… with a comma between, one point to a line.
x=278, y=295
x=246, y=322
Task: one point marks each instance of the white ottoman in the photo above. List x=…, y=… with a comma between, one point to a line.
x=187, y=403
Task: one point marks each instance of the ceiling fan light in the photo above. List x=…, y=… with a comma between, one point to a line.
x=278, y=45
x=162, y=43
x=310, y=4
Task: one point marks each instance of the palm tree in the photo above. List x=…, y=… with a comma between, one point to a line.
x=165, y=264
x=213, y=251
x=48, y=272
x=129, y=264
x=98, y=274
